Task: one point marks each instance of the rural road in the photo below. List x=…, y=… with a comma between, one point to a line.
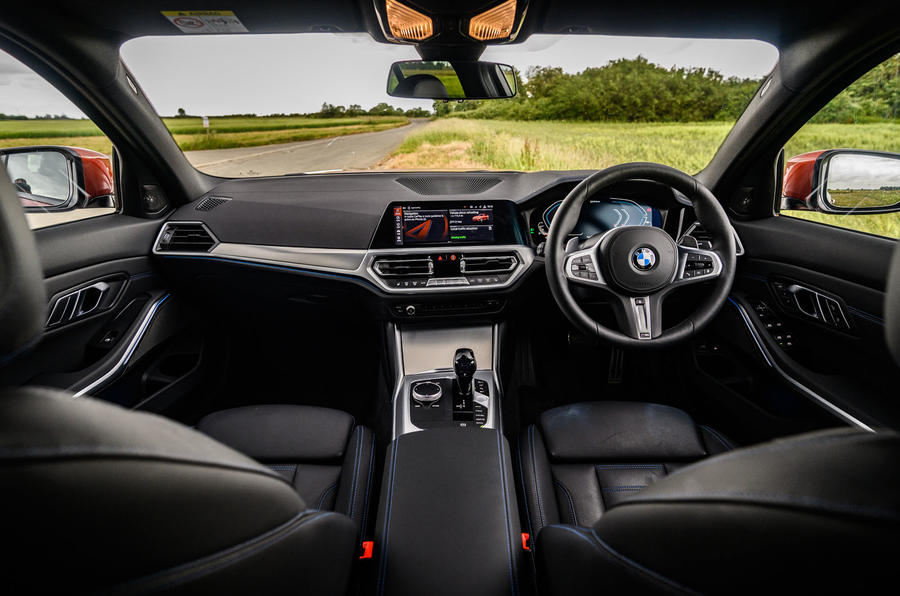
x=350, y=152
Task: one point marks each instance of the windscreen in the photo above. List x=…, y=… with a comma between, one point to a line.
x=262, y=105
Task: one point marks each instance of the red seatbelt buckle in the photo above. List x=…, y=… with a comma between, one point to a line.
x=526, y=537
x=367, y=547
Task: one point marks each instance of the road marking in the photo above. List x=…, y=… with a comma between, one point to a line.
x=332, y=141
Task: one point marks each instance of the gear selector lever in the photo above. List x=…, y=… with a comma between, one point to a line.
x=464, y=366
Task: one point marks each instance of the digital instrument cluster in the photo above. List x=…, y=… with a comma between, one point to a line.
x=602, y=215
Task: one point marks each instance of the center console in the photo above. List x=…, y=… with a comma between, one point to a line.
x=437, y=246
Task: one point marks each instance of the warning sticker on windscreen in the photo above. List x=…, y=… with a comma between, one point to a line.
x=205, y=21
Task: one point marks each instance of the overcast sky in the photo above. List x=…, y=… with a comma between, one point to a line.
x=264, y=74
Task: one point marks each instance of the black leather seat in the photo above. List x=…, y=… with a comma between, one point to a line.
x=321, y=452
x=583, y=459
x=616, y=505
x=98, y=498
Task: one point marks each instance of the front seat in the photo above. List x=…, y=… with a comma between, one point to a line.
x=98, y=498
x=322, y=452
x=616, y=509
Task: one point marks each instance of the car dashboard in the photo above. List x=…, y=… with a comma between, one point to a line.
x=423, y=245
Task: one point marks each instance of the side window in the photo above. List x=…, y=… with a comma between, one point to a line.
x=843, y=167
x=58, y=160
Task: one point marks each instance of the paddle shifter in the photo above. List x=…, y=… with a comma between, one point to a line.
x=464, y=366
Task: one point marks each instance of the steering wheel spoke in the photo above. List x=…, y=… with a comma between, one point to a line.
x=582, y=267
x=696, y=265
x=640, y=317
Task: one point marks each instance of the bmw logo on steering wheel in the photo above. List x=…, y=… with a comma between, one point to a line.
x=644, y=259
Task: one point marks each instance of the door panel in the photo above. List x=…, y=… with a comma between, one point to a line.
x=812, y=299
x=113, y=324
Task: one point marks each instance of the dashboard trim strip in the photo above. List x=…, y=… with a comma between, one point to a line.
x=354, y=263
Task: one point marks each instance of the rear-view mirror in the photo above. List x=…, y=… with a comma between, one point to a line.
x=439, y=79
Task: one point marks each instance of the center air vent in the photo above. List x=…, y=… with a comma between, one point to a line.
x=404, y=267
x=185, y=237
x=500, y=263
x=448, y=185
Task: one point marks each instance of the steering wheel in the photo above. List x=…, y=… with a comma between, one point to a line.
x=639, y=266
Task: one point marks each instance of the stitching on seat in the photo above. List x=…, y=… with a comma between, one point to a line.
x=569, y=499
x=622, y=488
x=282, y=467
x=202, y=567
x=629, y=564
x=325, y=493
x=630, y=467
x=365, y=514
x=354, y=484
x=513, y=580
x=382, y=572
x=718, y=436
x=537, y=489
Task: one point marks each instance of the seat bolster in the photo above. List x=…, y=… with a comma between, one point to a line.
x=574, y=561
x=620, y=431
x=539, y=494
x=288, y=433
x=830, y=497
x=313, y=554
x=355, y=484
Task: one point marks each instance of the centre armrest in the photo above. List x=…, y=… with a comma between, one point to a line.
x=448, y=521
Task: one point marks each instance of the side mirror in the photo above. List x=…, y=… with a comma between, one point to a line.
x=843, y=181
x=439, y=79
x=50, y=178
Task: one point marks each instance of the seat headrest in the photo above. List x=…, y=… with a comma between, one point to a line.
x=892, y=306
x=23, y=298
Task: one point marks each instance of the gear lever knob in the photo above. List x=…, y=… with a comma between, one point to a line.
x=464, y=366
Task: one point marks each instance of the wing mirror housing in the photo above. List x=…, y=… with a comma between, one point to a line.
x=849, y=181
x=442, y=79
x=52, y=178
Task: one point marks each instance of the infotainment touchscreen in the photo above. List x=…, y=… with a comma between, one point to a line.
x=421, y=224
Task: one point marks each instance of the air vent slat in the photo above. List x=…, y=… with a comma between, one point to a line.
x=405, y=267
x=489, y=263
x=185, y=237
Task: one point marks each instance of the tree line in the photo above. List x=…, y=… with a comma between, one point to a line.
x=332, y=111
x=625, y=90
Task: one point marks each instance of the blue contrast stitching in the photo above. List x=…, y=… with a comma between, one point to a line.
x=537, y=489
x=513, y=580
x=353, y=485
x=569, y=499
x=387, y=521
x=365, y=515
x=325, y=495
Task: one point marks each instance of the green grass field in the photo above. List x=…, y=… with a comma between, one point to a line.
x=190, y=134
x=529, y=146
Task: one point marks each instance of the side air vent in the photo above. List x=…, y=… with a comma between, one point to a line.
x=697, y=237
x=185, y=237
x=210, y=203
x=502, y=263
x=448, y=185
x=404, y=267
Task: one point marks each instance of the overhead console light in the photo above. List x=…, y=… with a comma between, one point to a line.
x=495, y=23
x=406, y=23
